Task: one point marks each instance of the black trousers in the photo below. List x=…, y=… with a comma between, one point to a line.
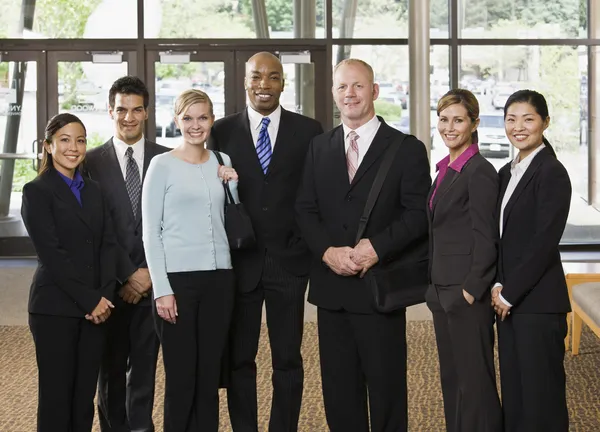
x=363, y=354
x=465, y=340
x=128, y=370
x=193, y=348
x=283, y=295
x=68, y=353
x=532, y=373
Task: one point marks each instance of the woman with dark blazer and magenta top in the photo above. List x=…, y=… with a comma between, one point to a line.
x=70, y=227
x=463, y=239
x=530, y=296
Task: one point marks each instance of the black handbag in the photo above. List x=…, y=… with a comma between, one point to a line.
x=238, y=225
x=401, y=282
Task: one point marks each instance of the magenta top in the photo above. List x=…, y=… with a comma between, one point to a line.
x=460, y=162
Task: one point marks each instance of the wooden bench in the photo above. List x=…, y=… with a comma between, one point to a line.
x=585, y=302
x=577, y=273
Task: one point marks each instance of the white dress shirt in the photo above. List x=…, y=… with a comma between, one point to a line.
x=138, y=154
x=366, y=134
x=256, y=123
x=517, y=170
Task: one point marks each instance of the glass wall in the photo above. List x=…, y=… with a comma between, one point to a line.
x=495, y=48
x=522, y=19
x=69, y=19
x=233, y=19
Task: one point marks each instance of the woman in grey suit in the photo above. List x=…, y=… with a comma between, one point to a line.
x=463, y=237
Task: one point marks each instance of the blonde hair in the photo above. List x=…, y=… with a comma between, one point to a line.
x=356, y=62
x=189, y=98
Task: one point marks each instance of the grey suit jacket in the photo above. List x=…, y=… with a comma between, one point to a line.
x=463, y=228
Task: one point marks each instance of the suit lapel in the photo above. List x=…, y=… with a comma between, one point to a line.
x=431, y=189
x=64, y=193
x=247, y=147
x=447, y=182
x=149, y=153
x=339, y=168
x=380, y=142
x=527, y=176
x=285, y=135
x=115, y=175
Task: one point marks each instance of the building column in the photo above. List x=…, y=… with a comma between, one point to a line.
x=418, y=48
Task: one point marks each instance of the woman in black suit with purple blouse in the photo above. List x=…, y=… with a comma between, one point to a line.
x=70, y=227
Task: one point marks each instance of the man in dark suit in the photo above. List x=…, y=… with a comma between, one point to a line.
x=267, y=145
x=126, y=382
x=361, y=349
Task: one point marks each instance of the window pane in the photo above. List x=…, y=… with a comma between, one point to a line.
x=522, y=19
x=83, y=90
x=172, y=80
x=439, y=19
x=230, y=19
x=18, y=116
x=70, y=19
x=383, y=19
x=370, y=19
x=560, y=74
x=391, y=68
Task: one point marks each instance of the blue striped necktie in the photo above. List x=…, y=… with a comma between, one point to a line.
x=263, y=145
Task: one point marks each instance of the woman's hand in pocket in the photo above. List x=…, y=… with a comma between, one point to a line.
x=166, y=307
x=468, y=297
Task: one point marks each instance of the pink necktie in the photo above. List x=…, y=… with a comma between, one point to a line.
x=352, y=155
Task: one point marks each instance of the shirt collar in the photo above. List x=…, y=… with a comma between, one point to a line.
x=460, y=162
x=121, y=147
x=365, y=130
x=521, y=166
x=76, y=181
x=256, y=118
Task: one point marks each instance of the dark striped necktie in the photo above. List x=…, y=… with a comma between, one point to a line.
x=263, y=145
x=133, y=182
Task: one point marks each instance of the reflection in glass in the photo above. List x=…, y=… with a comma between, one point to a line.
x=560, y=74
x=522, y=19
x=173, y=79
x=83, y=90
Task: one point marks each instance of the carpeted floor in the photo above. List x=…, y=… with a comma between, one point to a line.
x=18, y=383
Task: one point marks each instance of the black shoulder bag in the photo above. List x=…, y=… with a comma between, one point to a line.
x=238, y=225
x=400, y=282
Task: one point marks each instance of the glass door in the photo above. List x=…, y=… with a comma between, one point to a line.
x=173, y=72
x=20, y=108
x=79, y=82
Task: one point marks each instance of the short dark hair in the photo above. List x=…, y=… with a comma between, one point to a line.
x=129, y=85
x=56, y=123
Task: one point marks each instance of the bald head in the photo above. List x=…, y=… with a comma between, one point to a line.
x=263, y=57
x=264, y=82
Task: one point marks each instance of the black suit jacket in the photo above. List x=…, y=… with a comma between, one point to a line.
x=463, y=229
x=529, y=265
x=75, y=246
x=268, y=198
x=329, y=209
x=102, y=165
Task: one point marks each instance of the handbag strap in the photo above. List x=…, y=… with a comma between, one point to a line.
x=388, y=158
x=228, y=194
